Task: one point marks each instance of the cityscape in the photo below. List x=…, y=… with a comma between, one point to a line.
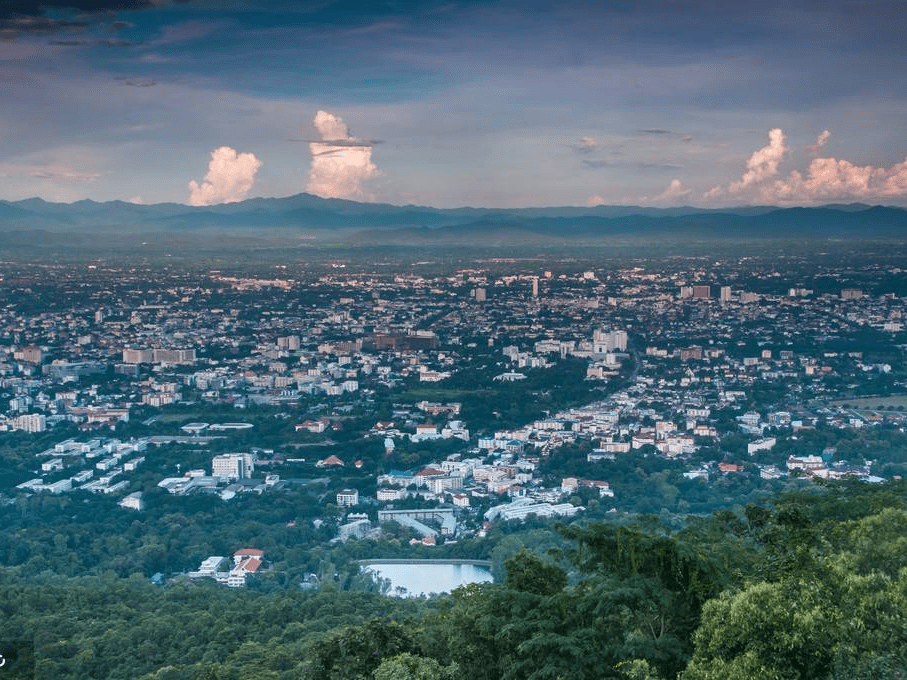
x=318, y=426
x=441, y=340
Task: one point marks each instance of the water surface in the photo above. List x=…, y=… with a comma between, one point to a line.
x=424, y=578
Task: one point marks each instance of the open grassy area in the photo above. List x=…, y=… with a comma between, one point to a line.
x=892, y=402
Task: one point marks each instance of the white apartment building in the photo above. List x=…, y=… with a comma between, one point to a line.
x=347, y=498
x=32, y=423
x=233, y=466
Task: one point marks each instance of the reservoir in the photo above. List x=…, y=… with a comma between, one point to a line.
x=414, y=578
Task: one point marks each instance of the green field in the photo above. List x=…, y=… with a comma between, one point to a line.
x=894, y=402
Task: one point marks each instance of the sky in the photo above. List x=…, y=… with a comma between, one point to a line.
x=455, y=103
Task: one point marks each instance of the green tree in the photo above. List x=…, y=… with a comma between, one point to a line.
x=412, y=667
x=354, y=652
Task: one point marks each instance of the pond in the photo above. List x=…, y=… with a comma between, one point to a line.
x=415, y=578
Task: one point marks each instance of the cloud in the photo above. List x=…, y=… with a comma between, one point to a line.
x=229, y=179
x=821, y=141
x=763, y=164
x=60, y=173
x=340, y=162
x=834, y=179
x=597, y=163
x=674, y=191
x=643, y=165
x=586, y=145
x=116, y=42
x=674, y=194
x=595, y=200
x=42, y=17
x=139, y=82
x=826, y=179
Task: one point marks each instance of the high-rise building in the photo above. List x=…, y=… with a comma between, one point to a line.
x=480, y=294
x=535, y=287
x=725, y=293
x=137, y=356
x=173, y=356
x=604, y=342
x=29, y=354
x=158, y=356
x=233, y=466
x=34, y=422
x=289, y=342
x=702, y=292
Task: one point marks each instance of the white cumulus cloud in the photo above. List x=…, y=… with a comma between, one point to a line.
x=821, y=141
x=595, y=200
x=763, y=164
x=340, y=163
x=826, y=179
x=230, y=178
x=839, y=179
x=674, y=192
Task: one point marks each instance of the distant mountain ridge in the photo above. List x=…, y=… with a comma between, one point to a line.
x=384, y=222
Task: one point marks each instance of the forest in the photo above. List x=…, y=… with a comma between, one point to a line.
x=811, y=583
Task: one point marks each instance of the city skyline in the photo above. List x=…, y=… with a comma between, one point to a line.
x=451, y=104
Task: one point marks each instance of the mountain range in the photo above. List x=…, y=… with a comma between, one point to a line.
x=346, y=221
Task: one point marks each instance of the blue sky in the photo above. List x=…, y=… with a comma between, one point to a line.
x=455, y=103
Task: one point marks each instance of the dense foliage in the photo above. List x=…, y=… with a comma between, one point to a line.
x=812, y=586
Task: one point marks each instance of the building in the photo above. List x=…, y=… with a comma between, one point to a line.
x=32, y=423
x=603, y=343
x=51, y=465
x=29, y=354
x=137, y=356
x=173, y=356
x=158, y=356
x=348, y=498
x=245, y=562
x=289, y=342
x=761, y=445
x=692, y=353
x=209, y=568
x=356, y=529
x=524, y=507
x=133, y=501
x=233, y=466
x=805, y=463
x=330, y=461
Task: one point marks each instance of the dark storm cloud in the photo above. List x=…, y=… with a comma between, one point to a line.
x=112, y=42
x=42, y=17
x=139, y=82
x=597, y=163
